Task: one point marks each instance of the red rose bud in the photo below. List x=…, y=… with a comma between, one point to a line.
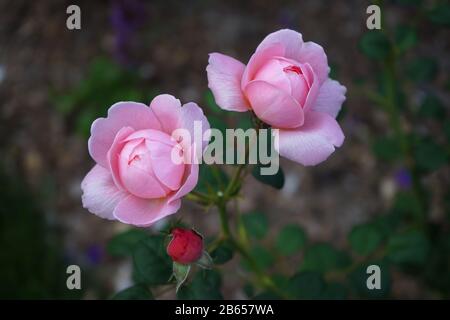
x=186, y=246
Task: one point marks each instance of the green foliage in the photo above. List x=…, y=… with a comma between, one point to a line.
x=263, y=258
x=256, y=224
x=151, y=261
x=136, y=292
x=124, y=243
x=375, y=45
x=276, y=180
x=405, y=38
x=322, y=257
x=429, y=155
x=290, y=240
x=223, y=253
x=31, y=259
x=205, y=285
x=432, y=107
x=211, y=179
x=422, y=69
x=440, y=14
x=408, y=248
x=386, y=148
x=365, y=238
x=105, y=84
x=306, y=285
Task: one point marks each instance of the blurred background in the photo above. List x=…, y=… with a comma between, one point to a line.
x=373, y=200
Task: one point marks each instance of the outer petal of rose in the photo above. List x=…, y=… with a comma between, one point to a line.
x=273, y=105
x=314, y=54
x=224, y=80
x=191, y=115
x=166, y=109
x=113, y=154
x=330, y=98
x=144, y=212
x=258, y=59
x=190, y=178
x=100, y=194
x=122, y=114
x=314, y=142
x=291, y=40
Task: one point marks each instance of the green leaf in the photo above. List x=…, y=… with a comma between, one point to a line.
x=405, y=38
x=205, y=286
x=422, y=69
x=136, y=292
x=406, y=204
x=256, y=224
x=429, y=155
x=151, y=261
x=375, y=45
x=290, y=240
x=432, y=107
x=124, y=243
x=180, y=272
x=222, y=254
x=306, y=285
x=386, y=148
x=440, y=14
x=211, y=179
x=364, y=239
x=409, y=248
x=322, y=257
x=263, y=258
x=334, y=291
x=358, y=281
x=275, y=180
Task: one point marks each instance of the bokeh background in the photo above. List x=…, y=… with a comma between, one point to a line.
x=54, y=82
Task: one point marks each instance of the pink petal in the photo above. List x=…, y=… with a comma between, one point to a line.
x=313, y=82
x=314, y=142
x=291, y=41
x=122, y=114
x=114, y=152
x=190, y=114
x=274, y=106
x=330, y=98
x=144, y=212
x=258, y=59
x=190, y=179
x=166, y=109
x=313, y=54
x=224, y=80
x=100, y=194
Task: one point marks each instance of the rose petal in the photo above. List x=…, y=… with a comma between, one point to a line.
x=330, y=98
x=114, y=152
x=274, y=106
x=314, y=55
x=224, y=80
x=292, y=42
x=166, y=107
x=122, y=114
x=100, y=194
x=314, y=142
x=144, y=212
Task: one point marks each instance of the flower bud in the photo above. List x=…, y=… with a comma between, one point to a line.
x=186, y=246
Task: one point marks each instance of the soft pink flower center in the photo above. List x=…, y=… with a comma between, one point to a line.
x=146, y=168
x=287, y=75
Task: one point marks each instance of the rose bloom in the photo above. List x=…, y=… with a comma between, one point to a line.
x=286, y=85
x=186, y=246
x=135, y=180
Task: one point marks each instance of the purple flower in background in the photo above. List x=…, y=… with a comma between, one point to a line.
x=94, y=254
x=403, y=178
x=126, y=17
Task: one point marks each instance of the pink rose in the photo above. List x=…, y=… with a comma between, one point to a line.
x=286, y=84
x=135, y=180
